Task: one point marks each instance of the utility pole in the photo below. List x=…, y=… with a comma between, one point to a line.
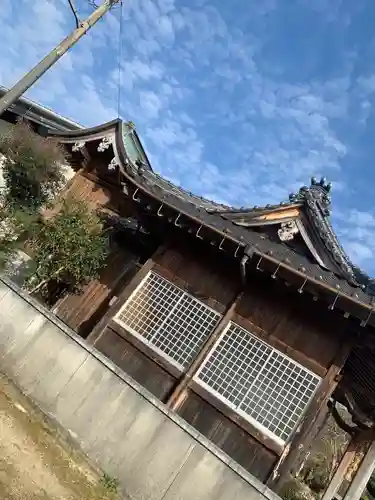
x=33, y=75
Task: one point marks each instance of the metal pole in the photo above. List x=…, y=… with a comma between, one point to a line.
x=32, y=76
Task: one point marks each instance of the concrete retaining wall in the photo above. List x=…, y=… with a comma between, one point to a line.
x=124, y=429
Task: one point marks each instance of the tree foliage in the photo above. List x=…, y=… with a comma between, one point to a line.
x=32, y=168
x=325, y=455
x=295, y=489
x=13, y=224
x=70, y=247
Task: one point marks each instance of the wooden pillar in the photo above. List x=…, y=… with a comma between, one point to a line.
x=290, y=460
x=98, y=330
x=320, y=426
x=352, y=449
x=363, y=474
x=179, y=393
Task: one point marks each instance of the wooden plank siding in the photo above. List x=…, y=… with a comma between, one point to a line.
x=135, y=363
x=228, y=436
x=293, y=323
x=202, y=274
x=98, y=193
x=82, y=311
x=297, y=326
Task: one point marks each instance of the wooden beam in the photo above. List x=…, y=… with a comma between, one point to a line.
x=320, y=426
x=145, y=349
x=98, y=330
x=362, y=475
x=179, y=393
x=289, y=462
x=354, y=446
x=282, y=214
x=254, y=431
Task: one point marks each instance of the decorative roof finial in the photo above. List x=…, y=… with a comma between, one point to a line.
x=130, y=125
x=327, y=186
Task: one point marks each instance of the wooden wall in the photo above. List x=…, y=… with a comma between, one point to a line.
x=98, y=193
x=135, y=363
x=210, y=277
x=291, y=322
x=228, y=435
x=81, y=312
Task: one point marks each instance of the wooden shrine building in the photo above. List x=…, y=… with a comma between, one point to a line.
x=249, y=323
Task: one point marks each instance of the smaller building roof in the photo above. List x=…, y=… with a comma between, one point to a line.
x=39, y=114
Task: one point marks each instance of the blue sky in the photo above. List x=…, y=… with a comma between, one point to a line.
x=239, y=101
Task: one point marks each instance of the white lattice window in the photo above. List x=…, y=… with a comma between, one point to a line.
x=263, y=385
x=168, y=319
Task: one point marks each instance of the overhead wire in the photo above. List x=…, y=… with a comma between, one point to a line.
x=74, y=10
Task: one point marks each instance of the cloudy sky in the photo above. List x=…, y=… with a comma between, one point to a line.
x=240, y=101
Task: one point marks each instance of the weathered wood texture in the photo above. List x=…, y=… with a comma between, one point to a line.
x=246, y=425
x=209, y=277
x=98, y=193
x=303, y=329
x=177, y=395
x=135, y=279
x=355, y=446
x=81, y=312
x=293, y=322
x=290, y=463
x=228, y=436
x=135, y=363
x=87, y=190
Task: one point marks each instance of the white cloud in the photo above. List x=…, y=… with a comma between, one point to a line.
x=360, y=253
x=356, y=230
x=213, y=115
x=150, y=104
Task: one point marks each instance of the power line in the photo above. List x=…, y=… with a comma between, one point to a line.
x=74, y=10
x=52, y=57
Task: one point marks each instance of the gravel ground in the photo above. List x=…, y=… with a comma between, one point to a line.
x=37, y=462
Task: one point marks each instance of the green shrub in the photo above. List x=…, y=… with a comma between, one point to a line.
x=32, y=168
x=69, y=248
x=294, y=489
x=109, y=483
x=317, y=475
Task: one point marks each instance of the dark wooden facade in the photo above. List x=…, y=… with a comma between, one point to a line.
x=299, y=327
x=297, y=297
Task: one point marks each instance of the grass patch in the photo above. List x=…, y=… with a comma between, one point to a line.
x=109, y=483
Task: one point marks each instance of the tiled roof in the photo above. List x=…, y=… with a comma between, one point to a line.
x=316, y=198
x=204, y=211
